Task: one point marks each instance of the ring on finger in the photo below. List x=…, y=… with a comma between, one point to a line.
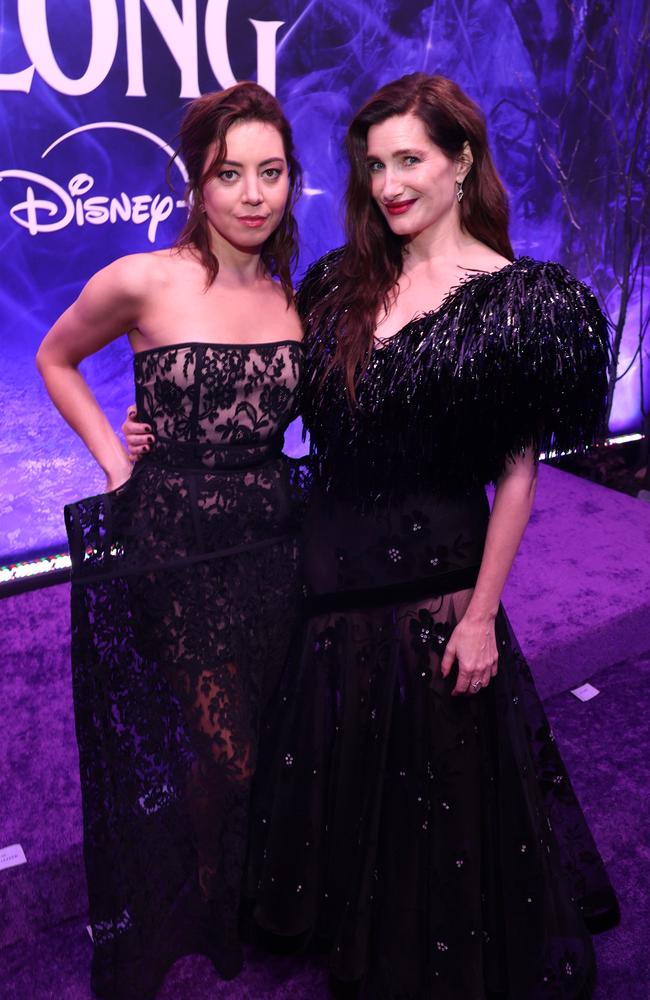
x=476, y=685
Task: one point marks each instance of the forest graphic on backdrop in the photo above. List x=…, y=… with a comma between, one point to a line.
x=565, y=88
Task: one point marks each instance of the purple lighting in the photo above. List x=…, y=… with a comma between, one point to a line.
x=561, y=95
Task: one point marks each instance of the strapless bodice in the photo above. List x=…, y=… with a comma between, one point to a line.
x=215, y=481
x=217, y=405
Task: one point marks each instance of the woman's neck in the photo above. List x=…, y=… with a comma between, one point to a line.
x=238, y=266
x=442, y=243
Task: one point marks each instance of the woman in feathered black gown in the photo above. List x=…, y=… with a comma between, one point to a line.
x=414, y=814
x=185, y=573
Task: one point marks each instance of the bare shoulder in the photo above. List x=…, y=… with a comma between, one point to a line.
x=122, y=288
x=281, y=316
x=127, y=276
x=157, y=266
x=276, y=291
x=497, y=262
x=135, y=278
x=486, y=259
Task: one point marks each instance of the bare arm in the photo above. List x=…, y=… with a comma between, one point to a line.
x=109, y=305
x=473, y=641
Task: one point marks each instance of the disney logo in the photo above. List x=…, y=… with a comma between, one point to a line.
x=48, y=206
x=48, y=214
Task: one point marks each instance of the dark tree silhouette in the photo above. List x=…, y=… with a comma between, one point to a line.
x=593, y=141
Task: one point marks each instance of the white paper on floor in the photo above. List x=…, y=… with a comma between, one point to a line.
x=585, y=692
x=12, y=856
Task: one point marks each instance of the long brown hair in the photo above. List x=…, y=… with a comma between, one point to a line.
x=373, y=258
x=207, y=121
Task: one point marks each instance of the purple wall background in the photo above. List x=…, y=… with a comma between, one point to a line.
x=529, y=64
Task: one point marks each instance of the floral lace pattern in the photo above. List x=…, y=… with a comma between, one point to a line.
x=185, y=591
x=216, y=394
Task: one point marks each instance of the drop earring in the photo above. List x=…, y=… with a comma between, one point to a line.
x=460, y=192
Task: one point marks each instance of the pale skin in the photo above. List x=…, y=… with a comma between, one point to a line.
x=162, y=297
x=406, y=167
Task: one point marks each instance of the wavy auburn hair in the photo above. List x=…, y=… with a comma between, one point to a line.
x=372, y=261
x=206, y=122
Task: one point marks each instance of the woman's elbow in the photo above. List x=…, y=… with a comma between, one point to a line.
x=520, y=477
x=50, y=355
x=44, y=359
x=41, y=359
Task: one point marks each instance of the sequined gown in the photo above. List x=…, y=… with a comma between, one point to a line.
x=434, y=845
x=183, y=597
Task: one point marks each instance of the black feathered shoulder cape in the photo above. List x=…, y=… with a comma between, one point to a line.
x=511, y=359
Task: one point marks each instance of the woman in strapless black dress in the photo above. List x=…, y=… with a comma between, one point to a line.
x=185, y=572
x=414, y=815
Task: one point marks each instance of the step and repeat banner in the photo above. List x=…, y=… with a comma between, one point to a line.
x=91, y=96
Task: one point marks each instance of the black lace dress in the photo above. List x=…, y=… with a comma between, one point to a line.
x=433, y=844
x=184, y=595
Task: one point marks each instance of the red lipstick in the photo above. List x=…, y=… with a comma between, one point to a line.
x=399, y=207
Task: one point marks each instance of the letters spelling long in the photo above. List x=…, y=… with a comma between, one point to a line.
x=178, y=30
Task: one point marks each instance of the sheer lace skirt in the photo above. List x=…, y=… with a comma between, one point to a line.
x=178, y=641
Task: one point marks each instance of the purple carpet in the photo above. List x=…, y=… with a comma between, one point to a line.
x=579, y=599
